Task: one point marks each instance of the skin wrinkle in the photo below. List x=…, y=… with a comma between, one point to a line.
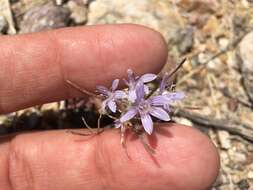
x=102, y=163
x=106, y=49
x=17, y=162
x=58, y=61
x=23, y=69
x=9, y=179
x=112, y=45
x=87, y=167
x=11, y=69
x=98, y=43
x=131, y=35
x=119, y=57
x=90, y=46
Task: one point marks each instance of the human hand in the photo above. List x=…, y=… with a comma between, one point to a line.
x=33, y=70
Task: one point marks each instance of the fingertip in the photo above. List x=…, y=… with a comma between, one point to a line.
x=190, y=156
x=184, y=159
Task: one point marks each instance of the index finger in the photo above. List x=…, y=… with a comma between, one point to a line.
x=34, y=67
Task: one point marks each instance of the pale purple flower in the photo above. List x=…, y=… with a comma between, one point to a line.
x=111, y=95
x=134, y=80
x=166, y=99
x=146, y=108
x=169, y=97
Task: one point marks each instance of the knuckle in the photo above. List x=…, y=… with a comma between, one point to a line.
x=19, y=167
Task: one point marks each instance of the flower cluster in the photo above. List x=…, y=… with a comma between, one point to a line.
x=138, y=102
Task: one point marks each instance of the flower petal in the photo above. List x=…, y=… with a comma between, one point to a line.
x=112, y=106
x=167, y=107
x=146, y=89
x=159, y=113
x=147, y=123
x=128, y=115
x=148, y=77
x=140, y=91
x=173, y=96
x=119, y=94
x=132, y=96
x=126, y=82
x=103, y=90
x=131, y=76
x=115, y=84
x=159, y=100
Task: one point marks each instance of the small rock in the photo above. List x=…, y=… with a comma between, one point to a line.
x=221, y=179
x=223, y=42
x=244, y=185
x=212, y=27
x=224, y=139
x=183, y=39
x=2, y=119
x=250, y=148
x=239, y=22
x=59, y=2
x=202, y=58
x=50, y=106
x=78, y=11
x=199, y=6
x=3, y=24
x=245, y=54
x=44, y=17
x=224, y=157
x=250, y=175
x=236, y=178
x=232, y=104
x=237, y=157
x=186, y=37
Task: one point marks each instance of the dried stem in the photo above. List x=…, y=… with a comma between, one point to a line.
x=79, y=133
x=99, y=123
x=86, y=125
x=170, y=75
x=148, y=148
x=177, y=68
x=80, y=89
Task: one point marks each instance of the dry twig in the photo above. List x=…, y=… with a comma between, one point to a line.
x=233, y=127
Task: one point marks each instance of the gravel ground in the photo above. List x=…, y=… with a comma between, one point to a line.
x=216, y=36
